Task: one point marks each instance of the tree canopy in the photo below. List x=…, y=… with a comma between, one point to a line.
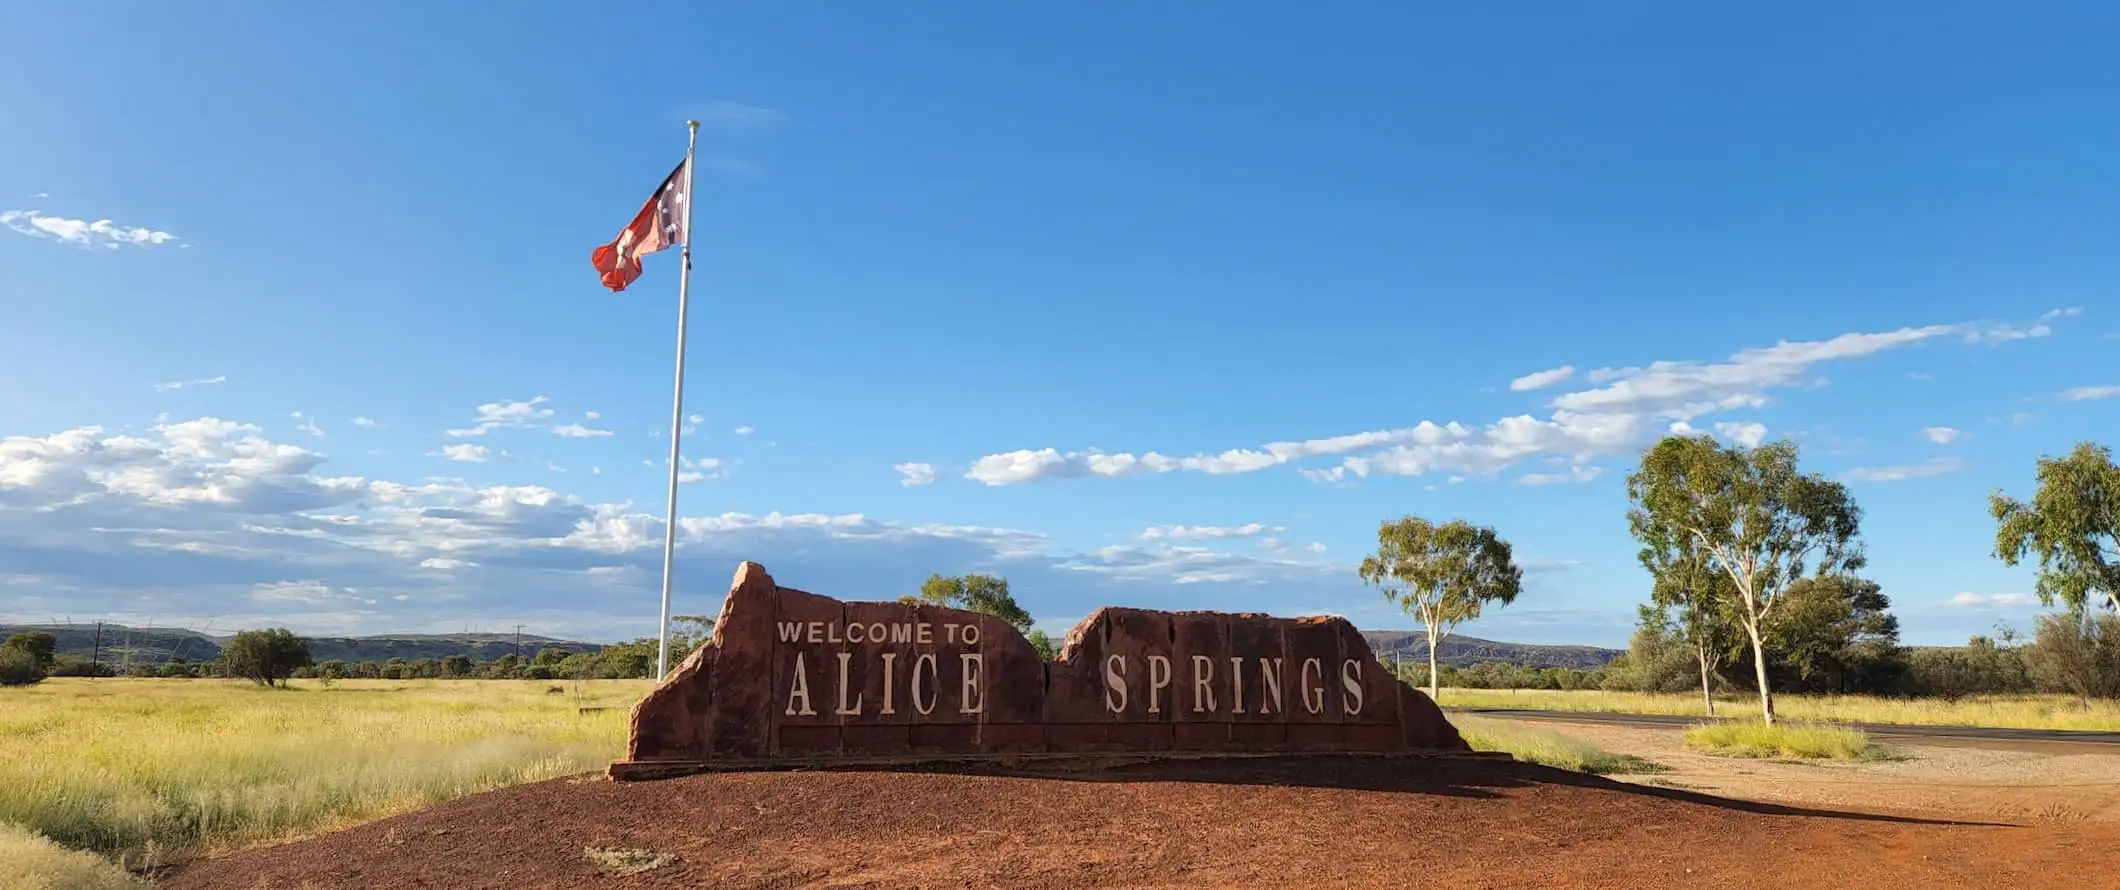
x=1443, y=574
x=2072, y=525
x=1752, y=514
x=986, y=595
x=265, y=656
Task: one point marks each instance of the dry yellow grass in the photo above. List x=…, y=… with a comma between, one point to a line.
x=1742, y=738
x=2015, y=711
x=153, y=771
x=28, y=861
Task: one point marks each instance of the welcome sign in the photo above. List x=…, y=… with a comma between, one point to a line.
x=790, y=674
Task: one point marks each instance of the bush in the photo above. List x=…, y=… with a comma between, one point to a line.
x=76, y=666
x=1735, y=738
x=2077, y=655
x=18, y=667
x=1546, y=748
x=266, y=656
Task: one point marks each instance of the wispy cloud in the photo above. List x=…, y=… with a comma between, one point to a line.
x=743, y=430
x=181, y=384
x=467, y=452
x=1541, y=379
x=577, y=431
x=1994, y=599
x=85, y=233
x=364, y=423
x=307, y=425
x=505, y=415
x=915, y=474
x=1923, y=470
x=1206, y=532
x=2090, y=393
x=2004, y=333
x=1941, y=435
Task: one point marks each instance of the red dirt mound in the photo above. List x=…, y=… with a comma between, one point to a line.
x=1317, y=821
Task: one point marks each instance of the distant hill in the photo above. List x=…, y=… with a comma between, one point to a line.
x=1412, y=645
x=134, y=645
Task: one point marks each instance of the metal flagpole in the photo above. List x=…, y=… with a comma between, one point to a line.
x=677, y=411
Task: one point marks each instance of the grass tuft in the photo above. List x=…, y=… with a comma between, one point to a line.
x=2011, y=711
x=1735, y=738
x=1547, y=748
x=29, y=861
x=621, y=862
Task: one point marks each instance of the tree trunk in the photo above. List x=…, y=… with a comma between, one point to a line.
x=1759, y=668
x=1707, y=700
x=1435, y=685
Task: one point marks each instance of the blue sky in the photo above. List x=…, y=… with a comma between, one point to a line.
x=1134, y=304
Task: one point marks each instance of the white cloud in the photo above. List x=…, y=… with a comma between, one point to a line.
x=592, y=415
x=701, y=470
x=2004, y=333
x=692, y=423
x=1925, y=469
x=364, y=423
x=912, y=474
x=208, y=520
x=744, y=430
x=1994, y=599
x=181, y=384
x=1541, y=379
x=1580, y=473
x=577, y=431
x=1613, y=419
x=99, y=233
x=1748, y=433
x=2090, y=393
x=309, y=426
x=1205, y=532
x=596, y=470
x=505, y=415
x=1941, y=435
x=467, y=452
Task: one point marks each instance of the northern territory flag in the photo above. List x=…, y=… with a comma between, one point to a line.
x=660, y=224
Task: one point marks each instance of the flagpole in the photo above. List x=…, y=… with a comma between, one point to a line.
x=677, y=411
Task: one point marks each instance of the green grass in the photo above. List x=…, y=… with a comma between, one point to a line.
x=1547, y=748
x=28, y=861
x=1736, y=738
x=2013, y=711
x=148, y=772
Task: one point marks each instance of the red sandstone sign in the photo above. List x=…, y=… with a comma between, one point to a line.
x=794, y=674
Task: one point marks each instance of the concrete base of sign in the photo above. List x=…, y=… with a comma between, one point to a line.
x=791, y=676
x=1051, y=762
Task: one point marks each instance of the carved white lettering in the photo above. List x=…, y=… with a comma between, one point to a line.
x=853, y=631
x=1351, y=680
x=845, y=683
x=876, y=632
x=1270, y=701
x=1313, y=705
x=1158, y=677
x=791, y=631
x=816, y=631
x=902, y=633
x=1203, y=692
x=1236, y=685
x=1115, y=683
x=927, y=633
x=971, y=634
x=971, y=702
x=831, y=633
x=799, y=688
x=927, y=661
x=949, y=631
x=889, y=679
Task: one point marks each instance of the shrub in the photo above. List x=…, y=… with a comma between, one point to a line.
x=18, y=667
x=266, y=656
x=1736, y=738
x=1546, y=748
x=2077, y=655
x=76, y=666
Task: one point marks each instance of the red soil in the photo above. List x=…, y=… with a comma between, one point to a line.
x=1332, y=821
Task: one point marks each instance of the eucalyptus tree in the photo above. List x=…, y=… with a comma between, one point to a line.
x=1442, y=574
x=1752, y=514
x=2072, y=524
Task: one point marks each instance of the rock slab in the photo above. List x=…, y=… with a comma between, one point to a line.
x=794, y=674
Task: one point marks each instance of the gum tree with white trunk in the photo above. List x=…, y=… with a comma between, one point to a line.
x=1753, y=515
x=1442, y=574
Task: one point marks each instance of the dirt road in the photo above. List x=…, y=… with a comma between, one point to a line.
x=1310, y=821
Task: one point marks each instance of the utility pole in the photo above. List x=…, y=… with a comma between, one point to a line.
x=96, y=652
x=518, y=644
